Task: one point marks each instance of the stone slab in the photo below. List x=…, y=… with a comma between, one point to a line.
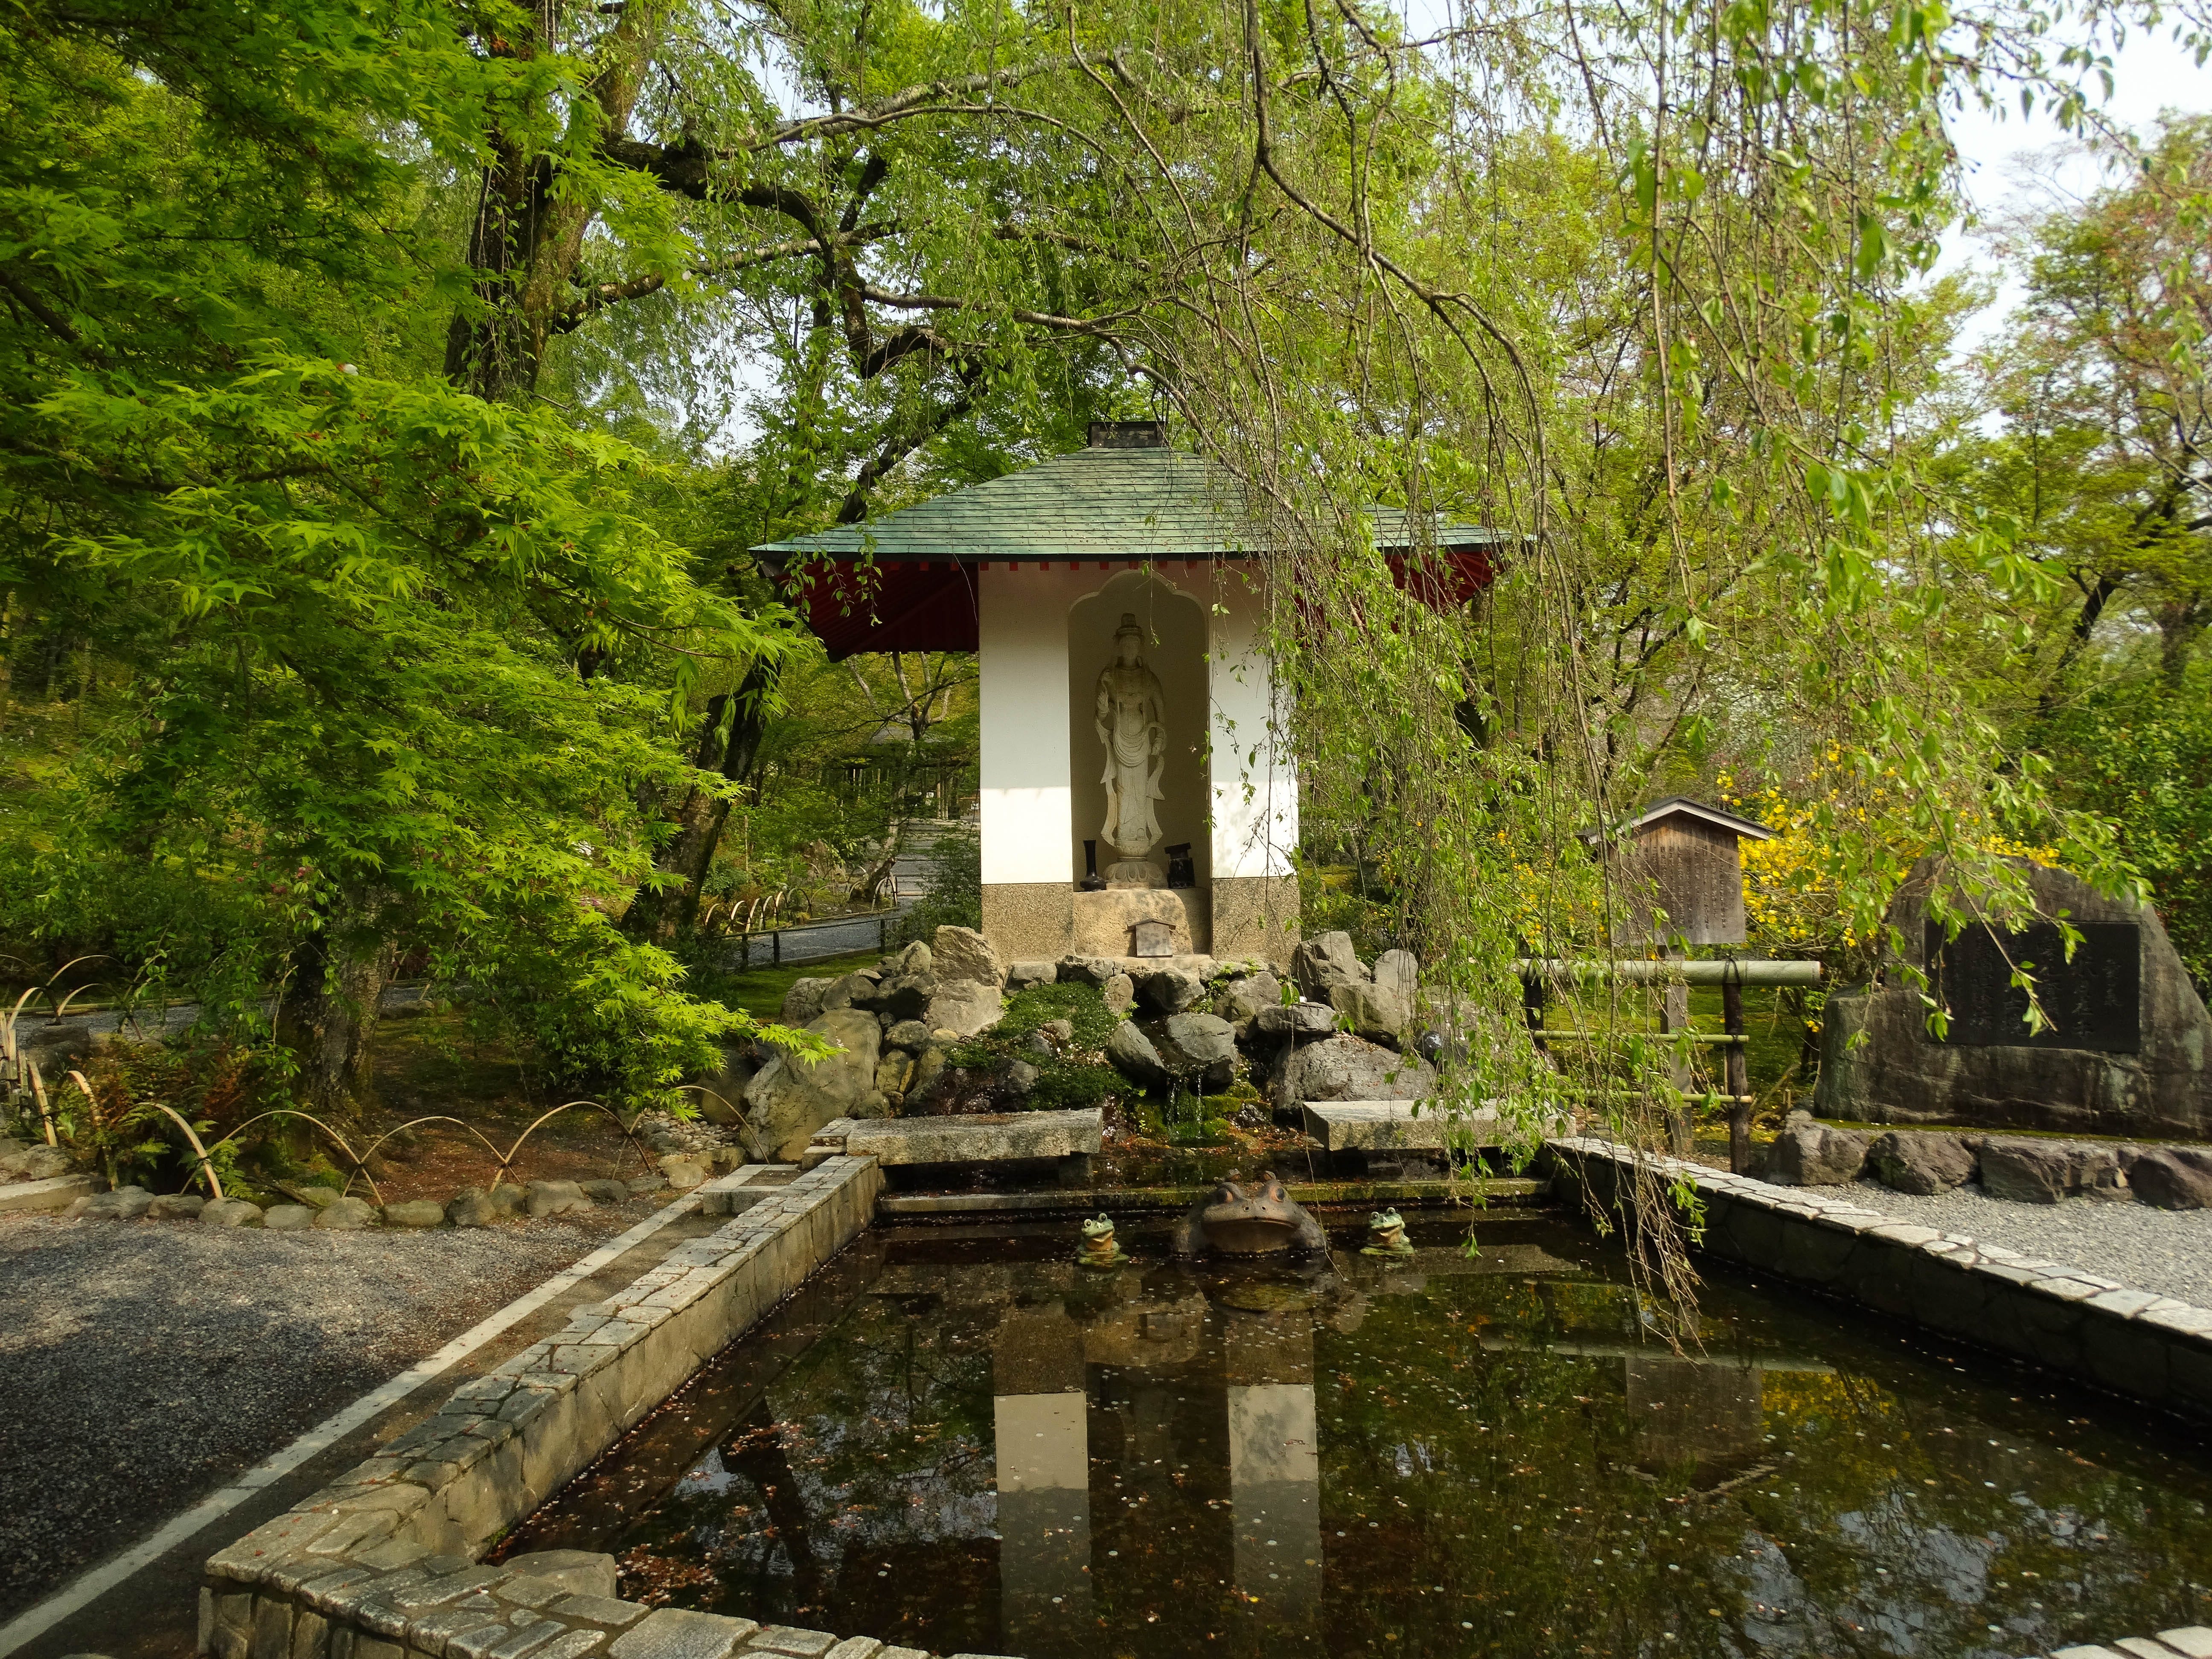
x=1388, y=1125
x=970, y=1138
x=37, y=1197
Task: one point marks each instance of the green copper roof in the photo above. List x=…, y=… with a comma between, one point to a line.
x=1098, y=503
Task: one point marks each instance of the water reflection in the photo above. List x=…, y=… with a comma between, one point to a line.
x=966, y=1444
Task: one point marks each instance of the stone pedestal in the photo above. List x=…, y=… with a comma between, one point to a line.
x=1103, y=920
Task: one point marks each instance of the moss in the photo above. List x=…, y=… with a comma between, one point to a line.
x=1079, y=1078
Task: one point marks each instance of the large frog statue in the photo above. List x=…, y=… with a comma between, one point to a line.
x=1238, y=1219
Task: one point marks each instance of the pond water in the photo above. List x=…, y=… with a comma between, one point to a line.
x=963, y=1443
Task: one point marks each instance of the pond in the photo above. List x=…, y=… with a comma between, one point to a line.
x=954, y=1439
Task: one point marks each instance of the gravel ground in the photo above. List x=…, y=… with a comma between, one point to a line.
x=2169, y=1251
x=142, y=1363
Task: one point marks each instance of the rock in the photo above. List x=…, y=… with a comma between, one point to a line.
x=1170, y=990
x=123, y=1204
x=346, y=1215
x=893, y=1072
x=57, y=1048
x=1921, y=1163
x=915, y=958
x=1201, y=1046
x=317, y=1198
x=1120, y=994
x=2173, y=1178
x=2148, y=1077
x=606, y=1192
x=287, y=1218
x=1398, y=972
x=803, y=1001
x=1132, y=1054
x=176, y=1206
x=1297, y=1020
x=1242, y=1000
x=965, y=1007
x=1378, y=1015
x=721, y=1095
x=1814, y=1155
x=471, y=1209
x=846, y=992
x=1037, y=1046
x=963, y=954
x=545, y=1197
x=641, y=1185
x=579, y=1572
x=904, y=997
x=685, y=1170
x=231, y=1212
x=789, y=1100
x=1018, y=1079
x=1093, y=971
x=927, y=1070
x=2045, y=1172
x=910, y=1034
x=1062, y=1031
x=1319, y=963
x=414, y=1212
x=41, y=1164
x=1020, y=975
x=1346, y=1068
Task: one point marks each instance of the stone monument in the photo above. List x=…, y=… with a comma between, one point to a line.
x=1131, y=720
x=2128, y=1051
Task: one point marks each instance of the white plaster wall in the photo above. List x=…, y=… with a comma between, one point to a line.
x=1255, y=785
x=1028, y=830
x=1022, y=657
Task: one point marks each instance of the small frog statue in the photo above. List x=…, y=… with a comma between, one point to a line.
x=1099, y=1250
x=1386, y=1235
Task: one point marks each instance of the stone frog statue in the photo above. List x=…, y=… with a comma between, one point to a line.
x=1238, y=1219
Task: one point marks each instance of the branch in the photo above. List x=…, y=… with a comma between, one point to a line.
x=598, y=299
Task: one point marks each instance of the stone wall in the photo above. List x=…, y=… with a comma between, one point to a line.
x=2097, y=1329
x=379, y=1564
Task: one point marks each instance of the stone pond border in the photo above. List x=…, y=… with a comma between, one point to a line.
x=2097, y=1329
x=381, y=1563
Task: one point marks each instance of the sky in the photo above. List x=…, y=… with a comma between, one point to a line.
x=2013, y=163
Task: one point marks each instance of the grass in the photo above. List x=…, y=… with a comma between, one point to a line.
x=760, y=991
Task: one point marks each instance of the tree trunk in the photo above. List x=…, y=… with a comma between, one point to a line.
x=330, y=1022
x=727, y=745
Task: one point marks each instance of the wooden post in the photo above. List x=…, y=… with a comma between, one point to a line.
x=1533, y=995
x=1674, y=1017
x=1739, y=1073
x=775, y=942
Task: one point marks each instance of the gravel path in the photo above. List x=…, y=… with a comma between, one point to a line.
x=142, y=1364
x=2169, y=1251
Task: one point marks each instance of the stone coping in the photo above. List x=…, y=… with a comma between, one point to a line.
x=38, y=1197
x=2097, y=1329
x=1403, y=1126
x=966, y=1138
x=381, y=1563
x=2190, y=1642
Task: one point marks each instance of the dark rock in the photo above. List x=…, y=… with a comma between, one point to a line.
x=1378, y=1015
x=1921, y=1163
x=1319, y=963
x=1120, y=994
x=176, y=1206
x=1901, y=1074
x=2045, y=1172
x=1132, y=1054
x=906, y=996
x=1037, y=1046
x=790, y=1099
x=1087, y=971
x=1814, y=1155
x=894, y=1071
x=1170, y=990
x=606, y=1192
x=1017, y=1078
x=1201, y=1046
x=1020, y=975
x=852, y=991
x=2173, y=1178
x=1346, y=1068
x=926, y=1070
x=1243, y=1000
x=123, y=1203
x=1297, y=1020
x=803, y=1001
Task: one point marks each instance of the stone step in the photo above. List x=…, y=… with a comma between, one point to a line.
x=1127, y=1200
x=969, y=1137
x=37, y=1197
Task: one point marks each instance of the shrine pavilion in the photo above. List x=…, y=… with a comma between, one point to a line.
x=1136, y=797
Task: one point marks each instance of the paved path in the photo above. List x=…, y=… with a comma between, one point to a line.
x=818, y=939
x=148, y=1364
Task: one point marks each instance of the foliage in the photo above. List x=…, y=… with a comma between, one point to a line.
x=954, y=897
x=1078, y=1077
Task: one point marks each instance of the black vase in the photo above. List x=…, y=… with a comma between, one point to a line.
x=1092, y=881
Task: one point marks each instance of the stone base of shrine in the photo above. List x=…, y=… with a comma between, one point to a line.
x=1029, y=921
x=1106, y=923
x=1256, y=918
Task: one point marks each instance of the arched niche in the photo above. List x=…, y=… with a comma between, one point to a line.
x=1175, y=649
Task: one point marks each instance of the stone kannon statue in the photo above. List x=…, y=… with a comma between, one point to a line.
x=1131, y=723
